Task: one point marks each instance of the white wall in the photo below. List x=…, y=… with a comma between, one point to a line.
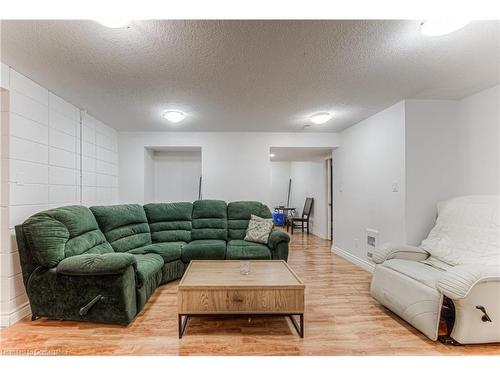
x=280, y=177
x=370, y=159
x=48, y=160
x=149, y=175
x=176, y=176
x=478, y=140
x=434, y=149
x=451, y=150
x=431, y=162
x=235, y=166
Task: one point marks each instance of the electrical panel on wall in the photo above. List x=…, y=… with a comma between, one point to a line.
x=371, y=242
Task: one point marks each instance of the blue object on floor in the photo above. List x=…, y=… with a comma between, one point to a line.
x=279, y=218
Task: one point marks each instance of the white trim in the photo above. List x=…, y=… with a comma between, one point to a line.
x=16, y=315
x=368, y=266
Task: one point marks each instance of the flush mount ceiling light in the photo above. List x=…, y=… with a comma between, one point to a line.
x=441, y=27
x=272, y=155
x=174, y=116
x=321, y=118
x=114, y=23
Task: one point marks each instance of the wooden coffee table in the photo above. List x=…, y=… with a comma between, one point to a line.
x=217, y=288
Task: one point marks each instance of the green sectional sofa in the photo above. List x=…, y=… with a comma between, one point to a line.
x=103, y=263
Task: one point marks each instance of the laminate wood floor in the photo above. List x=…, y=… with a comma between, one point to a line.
x=340, y=319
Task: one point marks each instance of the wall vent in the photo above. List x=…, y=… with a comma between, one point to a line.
x=371, y=242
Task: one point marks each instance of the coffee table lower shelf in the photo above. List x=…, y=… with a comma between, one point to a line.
x=299, y=326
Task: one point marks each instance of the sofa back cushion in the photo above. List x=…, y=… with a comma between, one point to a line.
x=238, y=214
x=209, y=220
x=170, y=222
x=125, y=225
x=62, y=232
x=466, y=231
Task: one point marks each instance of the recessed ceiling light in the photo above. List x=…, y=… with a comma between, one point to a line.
x=272, y=155
x=321, y=118
x=114, y=23
x=441, y=27
x=174, y=116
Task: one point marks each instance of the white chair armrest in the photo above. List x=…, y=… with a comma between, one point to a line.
x=398, y=251
x=458, y=282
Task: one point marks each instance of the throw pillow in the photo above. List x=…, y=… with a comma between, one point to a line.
x=259, y=229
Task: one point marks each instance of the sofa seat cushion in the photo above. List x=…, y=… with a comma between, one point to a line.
x=148, y=266
x=203, y=249
x=420, y=272
x=169, y=251
x=240, y=249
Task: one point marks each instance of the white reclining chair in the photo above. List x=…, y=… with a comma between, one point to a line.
x=457, y=267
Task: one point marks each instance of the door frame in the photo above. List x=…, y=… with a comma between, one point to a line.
x=329, y=198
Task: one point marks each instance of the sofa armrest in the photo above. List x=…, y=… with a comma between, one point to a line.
x=398, y=251
x=276, y=237
x=96, y=264
x=459, y=281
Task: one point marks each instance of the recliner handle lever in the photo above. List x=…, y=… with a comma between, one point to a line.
x=485, y=317
x=85, y=309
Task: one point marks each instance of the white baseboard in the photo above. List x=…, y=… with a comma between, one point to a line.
x=354, y=259
x=8, y=319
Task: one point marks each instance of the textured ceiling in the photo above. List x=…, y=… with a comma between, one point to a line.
x=249, y=75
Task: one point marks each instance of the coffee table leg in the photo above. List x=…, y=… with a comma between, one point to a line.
x=182, y=324
x=298, y=326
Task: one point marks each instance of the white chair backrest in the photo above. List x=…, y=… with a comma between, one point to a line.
x=467, y=231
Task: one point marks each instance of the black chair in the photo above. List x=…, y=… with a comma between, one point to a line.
x=306, y=213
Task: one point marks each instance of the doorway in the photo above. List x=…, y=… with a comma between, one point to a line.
x=298, y=173
x=329, y=192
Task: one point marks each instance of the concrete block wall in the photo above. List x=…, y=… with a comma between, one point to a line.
x=49, y=159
